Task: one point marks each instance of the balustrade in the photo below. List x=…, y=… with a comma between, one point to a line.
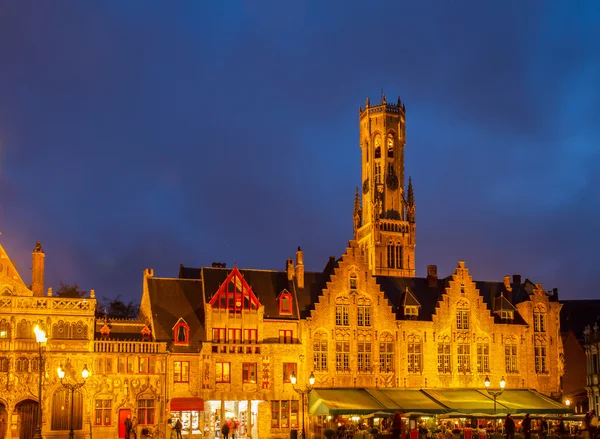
x=130, y=347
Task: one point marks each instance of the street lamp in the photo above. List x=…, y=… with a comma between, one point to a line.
x=303, y=393
x=495, y=393
x=41, y=339
x=85, y=373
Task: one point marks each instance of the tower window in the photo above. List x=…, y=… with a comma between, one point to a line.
x=377, y=147
x=377, y=172
x=390, y=147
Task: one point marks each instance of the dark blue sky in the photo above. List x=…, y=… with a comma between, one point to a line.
x=149, y=134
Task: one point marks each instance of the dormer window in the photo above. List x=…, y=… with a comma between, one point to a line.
x=181, y=333
x=146, y=333
x=507, y=315
x=285, y=303
x=411, y=312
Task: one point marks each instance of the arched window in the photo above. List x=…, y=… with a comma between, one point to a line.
x=60, y=330
x=22, y=364
x=539, y=319
x=390, y=146
x=386, y=353
x=4, y=364
x=353, y=282
x=78, y=331
x=25, y=330
x=377, y=147
x=4, y=328
x=320, y=351
x=181, y=333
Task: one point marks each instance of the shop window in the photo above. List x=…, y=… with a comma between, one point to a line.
x=190, y=421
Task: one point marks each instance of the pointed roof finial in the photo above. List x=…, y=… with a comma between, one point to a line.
x=411, y=193
x=356, y=202
x=368, y=103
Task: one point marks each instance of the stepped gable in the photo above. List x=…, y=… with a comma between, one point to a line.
x=575, y=315
x=266, y=285
x=172, y=299
x=11, y=283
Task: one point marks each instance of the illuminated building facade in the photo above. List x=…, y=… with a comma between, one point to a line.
x=219, y=343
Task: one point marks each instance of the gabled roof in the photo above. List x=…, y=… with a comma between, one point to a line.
x=502, y=304
x=425, y=294
x=409, y=299
x=10, y=279
x=171, y=300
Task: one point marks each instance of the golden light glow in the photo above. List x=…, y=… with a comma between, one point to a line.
x=311, y=379
x=567, y=402
x=293, y=378
x=40, y=335
x=502, y=383
x=85, y=373
x=487, y=382
x=60, y=371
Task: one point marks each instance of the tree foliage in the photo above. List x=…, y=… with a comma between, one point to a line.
x=72, y=291
x=118, y=309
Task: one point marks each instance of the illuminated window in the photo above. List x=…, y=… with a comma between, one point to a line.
x=390, y=146
x=395, y=255
x=3, y=364
x=464, y=357
x=250, y=335
x=507, y=315
x=414, y=355
x=143, y=364
x=235, y=335
x=483, y=357
x=103, y=412
x=378, y=147
x=411, y=312
x=386, y=353
x=284, y=414
x=444, y=357
x=190, y=421
x=235, y=296
x=364, y=312
x=222, y=372
x=181, y=371
x=122, y=365
x=218, y=335
x=288, y=370
x=353, y=282
x=320, y=351
x=130, y=364
x=249, y=373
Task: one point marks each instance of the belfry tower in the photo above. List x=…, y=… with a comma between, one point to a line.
x=384, y=227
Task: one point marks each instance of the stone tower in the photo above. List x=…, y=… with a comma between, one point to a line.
x=384, y=226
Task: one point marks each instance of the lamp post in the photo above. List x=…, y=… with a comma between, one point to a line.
x=41, y=339
x=85, y=373
x=494, y=393
x=303, y=393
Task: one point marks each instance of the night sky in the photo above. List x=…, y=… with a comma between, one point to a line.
x=148, y=134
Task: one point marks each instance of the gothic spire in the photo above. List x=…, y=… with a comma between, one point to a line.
x=411, y=193
x=357, y=217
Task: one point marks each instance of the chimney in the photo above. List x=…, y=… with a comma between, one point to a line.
x=508, y=288
x=37, y=270
x=516, y=281
x=432, y=277
x=290, y=269
x=555, y=293
x=300, y=268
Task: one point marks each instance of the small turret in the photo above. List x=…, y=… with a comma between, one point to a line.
x=410, y=202
x=37, y=270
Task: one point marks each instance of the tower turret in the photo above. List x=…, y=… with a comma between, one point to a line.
x=357, y=216
x=384, y=231
x=37, y=270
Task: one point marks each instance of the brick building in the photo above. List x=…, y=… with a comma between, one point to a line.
x=217, y=343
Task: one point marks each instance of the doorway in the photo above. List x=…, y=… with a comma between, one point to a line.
x=27, y=418
x=122, y=416
x=3, y=420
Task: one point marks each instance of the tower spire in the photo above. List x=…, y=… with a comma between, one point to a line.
x=410, y=203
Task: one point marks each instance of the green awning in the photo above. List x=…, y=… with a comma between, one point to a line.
x=530, y=401
x=465, y=400
x=343, y=402
x=408, y=401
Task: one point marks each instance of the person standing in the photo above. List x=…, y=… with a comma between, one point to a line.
x=509, y=427
x=128, y=424
x=526, y=426
x=178, y=427
x=225, y=430
x=134, y=425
